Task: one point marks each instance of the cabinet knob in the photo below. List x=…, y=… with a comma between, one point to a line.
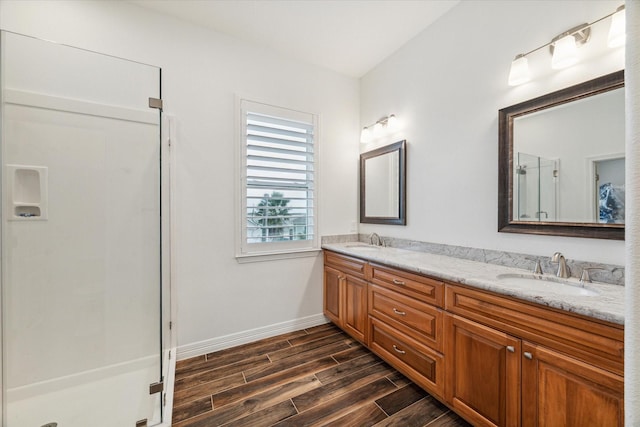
x=398, y=350
x=398, y=282
x=528, y=355
x=399, y=313
x=511, y=349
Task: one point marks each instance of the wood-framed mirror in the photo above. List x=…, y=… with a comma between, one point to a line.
x=383, y=185
x=561, y=162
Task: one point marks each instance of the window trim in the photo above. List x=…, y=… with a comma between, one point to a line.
x=272, y=250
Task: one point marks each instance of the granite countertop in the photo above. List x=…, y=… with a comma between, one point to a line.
x=608, y=305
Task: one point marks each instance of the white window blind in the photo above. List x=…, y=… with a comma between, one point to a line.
x=279, y=192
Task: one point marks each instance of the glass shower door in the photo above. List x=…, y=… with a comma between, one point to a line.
x=80, y=237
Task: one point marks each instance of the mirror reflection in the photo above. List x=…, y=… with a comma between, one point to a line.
x=569, y=162
x=382, y=196
x=382, y=185
x=562, y=162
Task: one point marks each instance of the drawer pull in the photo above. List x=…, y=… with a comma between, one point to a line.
x=511, y=349
x=398, y=350
x=528, y=355
x=399, y=313
x=398, y=282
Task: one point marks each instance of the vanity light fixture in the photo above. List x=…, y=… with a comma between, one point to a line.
x=564, y=46
x=565, y=52
x=379, y=128
x=519, y=72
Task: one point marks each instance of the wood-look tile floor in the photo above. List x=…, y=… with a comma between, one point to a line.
x=313, y=377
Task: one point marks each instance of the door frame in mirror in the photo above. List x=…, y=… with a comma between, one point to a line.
x=401, y=219
x=506, y=117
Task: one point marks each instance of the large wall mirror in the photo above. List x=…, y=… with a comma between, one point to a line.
x=562, y=162
x=383, y=185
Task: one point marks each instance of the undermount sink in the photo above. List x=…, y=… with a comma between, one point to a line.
x=363, y=246
x=546, y=283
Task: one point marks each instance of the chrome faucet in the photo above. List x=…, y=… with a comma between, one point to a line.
x=374, y=239
x=563, y=270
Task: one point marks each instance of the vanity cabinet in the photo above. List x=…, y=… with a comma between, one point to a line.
x=512, y=363
x=406, y=325
x=345, y=294
x=559, y=390
x=483, y=373
x=495, y=360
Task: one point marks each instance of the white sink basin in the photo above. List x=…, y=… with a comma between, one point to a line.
x=546, y=283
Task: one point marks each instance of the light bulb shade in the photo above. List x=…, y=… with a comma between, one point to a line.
x=365, y=135
x=392, y=123
x=377, y=129
x=565, y=53
x=519, y=72
x=617, y=30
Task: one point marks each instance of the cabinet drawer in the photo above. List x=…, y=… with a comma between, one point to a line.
x=592, y=341
x=354, y=266
x=415, y=318
x=419, y=287
x=421, y=364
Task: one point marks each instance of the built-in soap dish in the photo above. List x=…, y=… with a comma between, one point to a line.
x=27, y=211
x=28, y=192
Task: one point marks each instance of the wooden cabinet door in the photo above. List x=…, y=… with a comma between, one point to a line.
x=333, y=291
x=483, y=373
x=354, y=320
x=558, y=390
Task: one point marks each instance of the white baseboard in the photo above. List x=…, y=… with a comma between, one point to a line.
x=209, y=346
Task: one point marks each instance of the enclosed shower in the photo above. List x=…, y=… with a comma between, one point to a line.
x=536, y=188
x=85, y=295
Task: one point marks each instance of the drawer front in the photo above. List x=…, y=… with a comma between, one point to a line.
x=354, y=266
x=421, y=364
x=417, y=319
x=592, y=341
x=419, y=287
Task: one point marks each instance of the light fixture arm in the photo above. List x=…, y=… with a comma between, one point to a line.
x=581, y=32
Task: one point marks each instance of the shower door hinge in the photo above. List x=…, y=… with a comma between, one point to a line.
x=170, y=325
x=155, y=103
x=141, y=423
x=156, y=387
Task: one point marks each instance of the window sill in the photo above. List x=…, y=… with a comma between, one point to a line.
x=273, y=256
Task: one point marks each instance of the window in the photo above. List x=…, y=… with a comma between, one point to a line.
x=278, y=208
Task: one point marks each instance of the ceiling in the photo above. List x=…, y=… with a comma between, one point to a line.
x=348, y=36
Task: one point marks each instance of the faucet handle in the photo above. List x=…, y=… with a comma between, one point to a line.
x=585, y=277
x=538, y=268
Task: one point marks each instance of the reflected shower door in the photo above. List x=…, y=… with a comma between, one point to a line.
x=80, y=237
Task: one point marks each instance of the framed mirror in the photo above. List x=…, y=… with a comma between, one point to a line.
x=383, y=185
x=561, y=162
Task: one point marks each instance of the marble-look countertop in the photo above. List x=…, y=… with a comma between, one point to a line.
x=608, y=305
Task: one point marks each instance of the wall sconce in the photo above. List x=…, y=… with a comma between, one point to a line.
x=564, y=46
x=383, y=126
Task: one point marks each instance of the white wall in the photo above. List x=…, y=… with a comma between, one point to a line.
x=202, y=71
x=446, y=87
x=632, y=288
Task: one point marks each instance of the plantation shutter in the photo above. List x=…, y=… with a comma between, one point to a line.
x=279, y=178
